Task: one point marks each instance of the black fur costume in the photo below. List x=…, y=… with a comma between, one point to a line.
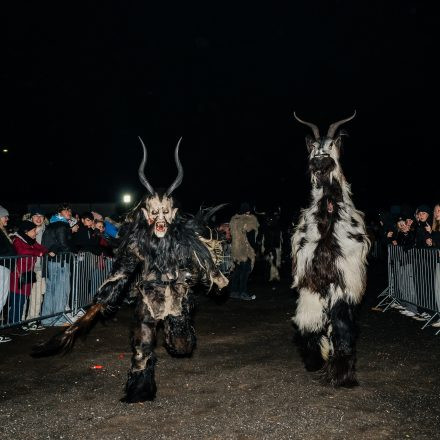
x=170, y=265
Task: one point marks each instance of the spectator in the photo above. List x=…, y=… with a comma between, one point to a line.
x=435, y=229
x=422, y=227
x=23, y=276
x=244, y=228
x=85, y=240
x=6, y=250
x=106, y=243
x=38, y=218
x=57, y=239
x=404, y=236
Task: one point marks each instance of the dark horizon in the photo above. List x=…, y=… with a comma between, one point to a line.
x=75, y=98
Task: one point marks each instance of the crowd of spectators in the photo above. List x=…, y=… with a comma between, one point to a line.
x=404, y=227
x=418, y=229
x=29, y=290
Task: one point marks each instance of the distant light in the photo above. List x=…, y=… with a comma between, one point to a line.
x=126, y=198
x=5, y=150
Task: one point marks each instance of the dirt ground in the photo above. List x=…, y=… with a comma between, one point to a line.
x=244, y=381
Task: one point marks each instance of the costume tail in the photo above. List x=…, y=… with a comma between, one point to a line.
x=63, y=342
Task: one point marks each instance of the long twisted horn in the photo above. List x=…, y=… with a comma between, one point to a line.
x=333, y=127
x=314, y=128
x=142, y=177
x=179, y=177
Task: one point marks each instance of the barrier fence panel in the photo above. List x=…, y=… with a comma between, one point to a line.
x=413, y=278
x=50, y=289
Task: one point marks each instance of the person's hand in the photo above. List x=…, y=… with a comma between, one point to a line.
x=394, y=242
x=390, y=234
x=428, y=229
x=52, y=254
x=429, y=241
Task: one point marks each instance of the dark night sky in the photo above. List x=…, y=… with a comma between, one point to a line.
x=80, y=83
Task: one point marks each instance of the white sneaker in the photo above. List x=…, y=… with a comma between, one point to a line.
x=419, y=318
x=35, y=327
x=5, y=339
x=425, y=315
x=436, y=324
x=407, y=313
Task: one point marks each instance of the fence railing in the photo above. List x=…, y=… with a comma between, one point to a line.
x=52, y=290
x=413, y=278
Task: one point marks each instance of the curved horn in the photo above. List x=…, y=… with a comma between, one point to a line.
x=179, y=177
x=314, y=128
x=142, y=177
x=333, y=127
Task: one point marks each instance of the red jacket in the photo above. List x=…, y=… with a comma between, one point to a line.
x=25, y=264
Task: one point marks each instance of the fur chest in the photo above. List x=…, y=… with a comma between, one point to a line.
x=164, y=298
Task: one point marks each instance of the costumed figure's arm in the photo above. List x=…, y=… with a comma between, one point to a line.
x=206, y=259
x=105, y=302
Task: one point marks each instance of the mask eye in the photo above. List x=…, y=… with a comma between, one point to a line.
x=165, y=211
x=155, y=212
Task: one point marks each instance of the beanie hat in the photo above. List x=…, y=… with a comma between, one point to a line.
x=35, y=210
x=26, y=226
x=424, y=208
x=3, y=212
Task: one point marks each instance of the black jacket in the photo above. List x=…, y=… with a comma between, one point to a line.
x=85, y=240
x=57, y=237
x=421, y=234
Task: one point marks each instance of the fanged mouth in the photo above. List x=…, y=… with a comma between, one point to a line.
x=161, y=227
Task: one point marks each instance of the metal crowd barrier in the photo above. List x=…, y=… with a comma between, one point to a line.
x=413, y=278
x=53, y=290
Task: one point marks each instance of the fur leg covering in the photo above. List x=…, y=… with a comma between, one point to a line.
x=339, y=369
x=309, y=345
x=180, y=336
x=141, y=385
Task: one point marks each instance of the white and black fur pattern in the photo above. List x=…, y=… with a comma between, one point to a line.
x=329, y=251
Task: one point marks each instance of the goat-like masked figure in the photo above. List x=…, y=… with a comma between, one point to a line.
x=329, y=250
x=174, y=256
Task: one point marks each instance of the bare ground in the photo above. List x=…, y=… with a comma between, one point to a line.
x=245, y=380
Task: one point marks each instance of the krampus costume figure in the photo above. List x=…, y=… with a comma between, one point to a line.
x=174, y=256
x=329, y=250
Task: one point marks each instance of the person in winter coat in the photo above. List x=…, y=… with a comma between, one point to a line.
x=405, y=236
x=6, y=251
x=86, y=240
x=422, y=227
x=22, y=277
x=38, y=218
x=57, y=237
